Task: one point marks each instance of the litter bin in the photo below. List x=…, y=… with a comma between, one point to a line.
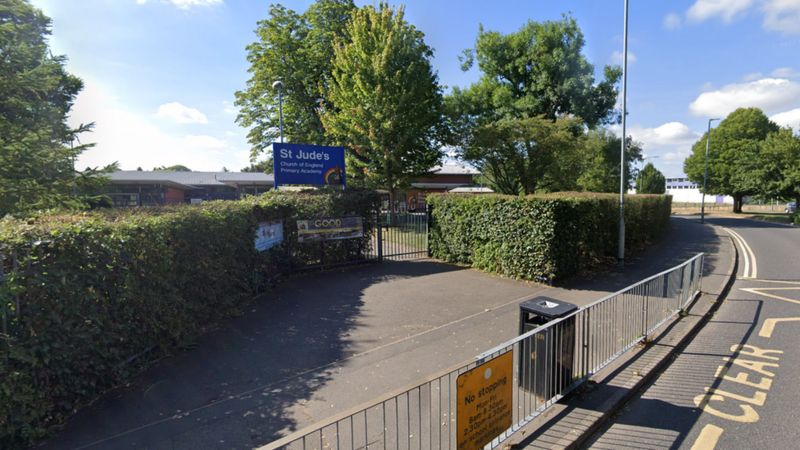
x=546, y=358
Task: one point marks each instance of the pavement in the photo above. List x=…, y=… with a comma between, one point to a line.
x=324, y=342
x=734, y=385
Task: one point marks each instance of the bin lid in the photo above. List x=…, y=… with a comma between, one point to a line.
x=547, y=307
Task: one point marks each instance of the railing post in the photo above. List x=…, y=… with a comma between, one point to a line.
x=380, y=235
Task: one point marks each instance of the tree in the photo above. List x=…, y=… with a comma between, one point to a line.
x=37, y=151
x=296, y=49
x=264, y=166
x=780, y=165
x=175, y=168
x=386, y=100
x=539, y=71
x=523, y=156
x=534, y=82
x=600, y=171
x=733, y=161
x=651, y=181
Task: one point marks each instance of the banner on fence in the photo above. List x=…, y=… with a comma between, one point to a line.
x=329, y=228
x=485, y=401
x=303, y=164
x=268, y=235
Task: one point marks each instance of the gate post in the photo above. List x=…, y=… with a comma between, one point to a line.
x=428, y=218
x=380, y=235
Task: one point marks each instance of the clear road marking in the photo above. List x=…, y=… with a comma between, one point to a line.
x=769, y=325
x=708, y=438
x=750, y=263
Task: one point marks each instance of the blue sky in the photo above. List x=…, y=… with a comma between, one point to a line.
x=160, y=74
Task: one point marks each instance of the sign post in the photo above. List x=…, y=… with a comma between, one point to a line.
x=485, y=402
x=303, y=164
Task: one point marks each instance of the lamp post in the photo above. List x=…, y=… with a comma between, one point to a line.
x=705, y=174
x=621, y=247
x=278, y=85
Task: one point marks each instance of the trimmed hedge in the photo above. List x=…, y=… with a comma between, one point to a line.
x=541, y=237
x=97, y=290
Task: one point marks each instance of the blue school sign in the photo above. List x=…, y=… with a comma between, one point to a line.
x=308, y=164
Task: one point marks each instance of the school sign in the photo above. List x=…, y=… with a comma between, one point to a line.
x=303, y=164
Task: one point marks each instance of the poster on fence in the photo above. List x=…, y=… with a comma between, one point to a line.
x=329, y=228
x=268, y=235
x=485, y=401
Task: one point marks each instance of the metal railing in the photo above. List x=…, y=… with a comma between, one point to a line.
x=548, y=362
x=403, y=235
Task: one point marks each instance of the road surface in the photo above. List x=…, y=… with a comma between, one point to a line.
x=736, y=384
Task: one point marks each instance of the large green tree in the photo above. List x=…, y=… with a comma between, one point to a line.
x=523, y=156
x=296, y=49
x=601, y=154
x=734, y=156
x=539, y=70
x=779, y=165
x=650, y=181
x=37, y=147
x=386, y=99
x=533, y=75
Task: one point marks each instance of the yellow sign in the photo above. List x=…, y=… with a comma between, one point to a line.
x=485, y=401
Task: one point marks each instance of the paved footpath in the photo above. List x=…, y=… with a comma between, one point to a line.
x=735, y=385
x=325, y=342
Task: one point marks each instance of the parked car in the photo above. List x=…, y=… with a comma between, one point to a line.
x=791, y=208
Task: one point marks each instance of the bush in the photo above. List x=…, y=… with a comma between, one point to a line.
x=90, y=292
x=542, y=237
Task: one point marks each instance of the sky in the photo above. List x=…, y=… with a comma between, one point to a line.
x=160, y=75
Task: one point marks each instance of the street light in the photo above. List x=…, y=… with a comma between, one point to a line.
x=621, y=248
x=278, y=85
x=705, y=174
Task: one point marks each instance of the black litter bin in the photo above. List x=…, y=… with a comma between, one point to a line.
x=546, y=358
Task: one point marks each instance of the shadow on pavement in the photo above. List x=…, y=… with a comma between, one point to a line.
x=237, y=387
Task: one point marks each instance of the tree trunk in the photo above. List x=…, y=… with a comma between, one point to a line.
x=737, y=203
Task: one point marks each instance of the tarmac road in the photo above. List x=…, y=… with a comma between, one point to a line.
x=736, y=383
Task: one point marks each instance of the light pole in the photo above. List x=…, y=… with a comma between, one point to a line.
x=705, y=174
x=278, y=85
x=621, y=247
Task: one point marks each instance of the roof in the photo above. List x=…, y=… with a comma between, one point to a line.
x=455, y=169
x=188, y=180
x=471, y=190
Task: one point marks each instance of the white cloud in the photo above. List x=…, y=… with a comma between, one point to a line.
x=785, y=72
x=782, y=16
x=186, y=4
x=670, y=133
x=229, y=108
x=136, y=140
x=769, y=94
x=180, y=113
x=672, y=21
x=666, y=146
x=788, y=119
x=752, y=76
x=703, y=10
x=616, y=57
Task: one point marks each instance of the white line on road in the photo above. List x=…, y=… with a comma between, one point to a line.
x=750, y=263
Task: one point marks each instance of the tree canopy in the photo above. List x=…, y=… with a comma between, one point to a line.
x=385, y=99
x=298, y=50
x=650, y=181
x=600, y=156
x=37, y=147
x=734, y=155
x=175, y=168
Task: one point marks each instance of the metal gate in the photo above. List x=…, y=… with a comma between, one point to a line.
x=402, y=235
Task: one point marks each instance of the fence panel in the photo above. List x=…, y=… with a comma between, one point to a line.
x=548, y=362
x=403, y=235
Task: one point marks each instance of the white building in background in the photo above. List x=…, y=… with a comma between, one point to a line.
x=684, y=191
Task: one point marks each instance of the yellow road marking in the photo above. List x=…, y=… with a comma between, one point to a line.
x=769, y=325
x=759, y=291
x=708, y=438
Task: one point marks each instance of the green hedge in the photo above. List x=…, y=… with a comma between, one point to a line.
x=541, y=237
x=96, y=290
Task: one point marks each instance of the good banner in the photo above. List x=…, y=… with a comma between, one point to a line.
x=303, y=164
x=329, y=228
